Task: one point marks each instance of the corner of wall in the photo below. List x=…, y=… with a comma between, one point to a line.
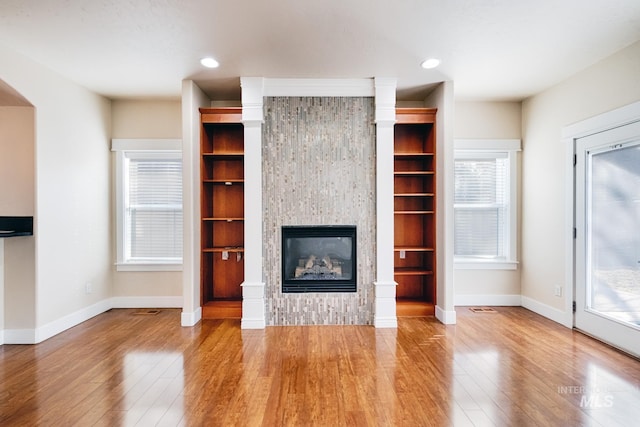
x=443, y=99
x=192, y=99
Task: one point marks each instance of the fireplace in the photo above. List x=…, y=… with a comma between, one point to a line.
x=319, y=258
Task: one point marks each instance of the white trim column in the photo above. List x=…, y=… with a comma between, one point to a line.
x=253, y=303
x=385, y=285
x=192, y=99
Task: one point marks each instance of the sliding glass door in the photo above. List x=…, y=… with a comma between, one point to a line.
x=608, y=236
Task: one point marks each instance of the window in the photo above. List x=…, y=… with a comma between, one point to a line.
x=149, y=204
x=485, y=204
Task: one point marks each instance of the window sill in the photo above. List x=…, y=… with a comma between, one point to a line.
x=484, y=265
x=148, y=267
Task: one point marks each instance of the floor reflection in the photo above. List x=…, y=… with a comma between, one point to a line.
x=152, y=389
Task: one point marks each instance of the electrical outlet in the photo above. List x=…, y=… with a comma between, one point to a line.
x=403, y=254
x=558, y=291
x=88, y=288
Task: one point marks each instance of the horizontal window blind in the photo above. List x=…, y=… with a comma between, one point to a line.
x=153, y=209
x=481, y=205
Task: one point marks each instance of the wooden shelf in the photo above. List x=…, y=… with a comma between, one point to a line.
x=415, y=115
x=410, y=308
x=414, y=194
x=412, y=249
x=221, y=115
x=225, y=249
x=407, y=271
x=413, y=155
x=222, y=211
x=224, y=154
x=222, y=310
x=223, y=181
x=413, y=173
x=414, y=211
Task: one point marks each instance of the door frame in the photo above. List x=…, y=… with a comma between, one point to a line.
x=603, y=122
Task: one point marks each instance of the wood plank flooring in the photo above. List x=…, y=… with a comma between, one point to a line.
x=509, y=368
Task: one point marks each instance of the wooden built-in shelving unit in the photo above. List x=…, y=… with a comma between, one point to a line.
x=415, y=211
x=222, y=211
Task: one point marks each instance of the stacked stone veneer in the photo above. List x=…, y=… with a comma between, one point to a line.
x=319, y=169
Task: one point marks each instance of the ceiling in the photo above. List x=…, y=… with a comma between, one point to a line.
x=491, y=49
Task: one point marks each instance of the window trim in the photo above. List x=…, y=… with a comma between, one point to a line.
x=122, y=147
x=465, y=147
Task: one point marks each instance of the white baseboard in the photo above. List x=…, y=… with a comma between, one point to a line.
x=190, y=319
x=19, y=336
x=35, y=336
x=446, y=317
x=69, y=321
x=147, y=302
x=385, y=322
x=488, y=300
x=552, y=313
x=253, y=324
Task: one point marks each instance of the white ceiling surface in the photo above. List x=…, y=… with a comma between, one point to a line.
x=491, y=49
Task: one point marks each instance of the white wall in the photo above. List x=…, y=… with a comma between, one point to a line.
x=488, y=120
x=604, y=86
x=138, y=119
x=192, y=99
x=72, y=208
x=442, y=99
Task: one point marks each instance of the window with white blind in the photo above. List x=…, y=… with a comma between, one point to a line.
x=485, y=203
x=149, y=204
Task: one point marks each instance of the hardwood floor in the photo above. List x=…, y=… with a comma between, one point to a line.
x=511, y=367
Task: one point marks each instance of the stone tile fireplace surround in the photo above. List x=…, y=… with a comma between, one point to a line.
x=318, y=158
x=318, y=153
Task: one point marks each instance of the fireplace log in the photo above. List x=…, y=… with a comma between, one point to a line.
x=310, y=262
x=327, y=262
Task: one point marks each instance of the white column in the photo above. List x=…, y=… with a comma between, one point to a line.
x=253, y=303
x=385, y=285
x=192, y=99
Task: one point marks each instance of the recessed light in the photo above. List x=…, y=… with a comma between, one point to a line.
x=209, y=62
x=430, y=63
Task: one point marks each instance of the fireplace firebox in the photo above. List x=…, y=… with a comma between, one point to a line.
x=319, y=258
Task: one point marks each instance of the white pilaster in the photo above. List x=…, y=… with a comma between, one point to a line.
x=385, y=285
x=192, y=98
x=253, y=303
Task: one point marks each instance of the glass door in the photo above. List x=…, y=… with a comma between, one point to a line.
x=608, y=236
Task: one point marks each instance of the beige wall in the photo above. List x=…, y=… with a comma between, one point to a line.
x=17, y=161
x=72, y=204
x=487, y=120
x=607, y=85
x=145, y=119
x=2, y=298
x=17, y=187
x=20, y=283
x=442, y=98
